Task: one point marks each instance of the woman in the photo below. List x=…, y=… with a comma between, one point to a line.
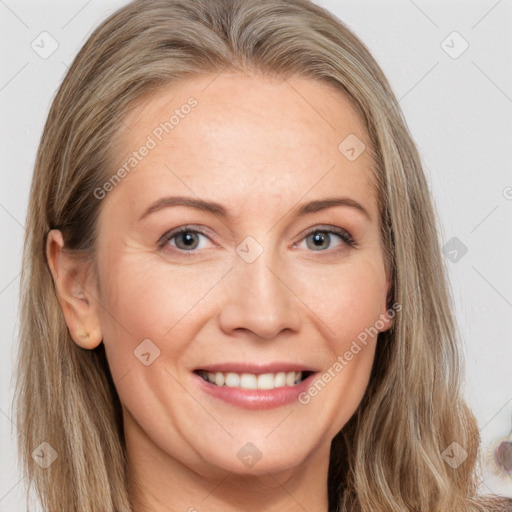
x=250, y=371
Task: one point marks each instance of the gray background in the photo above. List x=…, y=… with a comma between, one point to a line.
x=458, y=106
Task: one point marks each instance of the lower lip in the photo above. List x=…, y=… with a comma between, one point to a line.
x=255, y=398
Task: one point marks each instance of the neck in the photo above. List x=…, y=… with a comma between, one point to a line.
x=158, y=482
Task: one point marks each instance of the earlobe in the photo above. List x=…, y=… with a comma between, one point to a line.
x=387, y=311
x=75, y=291
x=385, y=322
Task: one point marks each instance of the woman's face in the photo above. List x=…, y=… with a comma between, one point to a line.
x=253, y=286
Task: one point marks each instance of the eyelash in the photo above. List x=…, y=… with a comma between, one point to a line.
x=342, y=233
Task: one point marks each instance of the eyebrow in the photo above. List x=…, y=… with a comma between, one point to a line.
x=219, y=210
x=330, y=202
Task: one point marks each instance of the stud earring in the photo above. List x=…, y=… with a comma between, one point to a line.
x=83, y=335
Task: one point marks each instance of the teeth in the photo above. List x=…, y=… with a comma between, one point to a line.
x=253, y=381
x=248, y=381
x=280, y=380
x=232, y=380
x=266, y=381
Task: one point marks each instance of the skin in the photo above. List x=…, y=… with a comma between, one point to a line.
x=261, y=147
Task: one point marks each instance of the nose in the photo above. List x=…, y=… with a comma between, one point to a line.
x=260, y=299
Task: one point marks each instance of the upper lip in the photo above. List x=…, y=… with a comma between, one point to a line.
x=245, y=367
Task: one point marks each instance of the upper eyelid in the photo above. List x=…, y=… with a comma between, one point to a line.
x=328, y=228
x=332, y=230
x=176, y=231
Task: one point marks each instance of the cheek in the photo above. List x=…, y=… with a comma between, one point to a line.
x=150, y=300
x=346, y=301
x=159, y=301
x=347, y=309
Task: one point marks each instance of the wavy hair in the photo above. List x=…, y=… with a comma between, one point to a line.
x=388, y=457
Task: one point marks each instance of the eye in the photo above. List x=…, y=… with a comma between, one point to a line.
x=185, y=238
x=321, y=236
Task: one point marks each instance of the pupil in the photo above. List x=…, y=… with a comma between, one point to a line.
x=319, y=237
x=188, y=239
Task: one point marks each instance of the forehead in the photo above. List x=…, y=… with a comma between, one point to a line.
x=247, y=135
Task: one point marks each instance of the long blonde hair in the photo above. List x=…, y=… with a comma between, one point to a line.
x=388, y=457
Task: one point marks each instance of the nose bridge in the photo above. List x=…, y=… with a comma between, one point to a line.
x=259, y=300
x=256, y=268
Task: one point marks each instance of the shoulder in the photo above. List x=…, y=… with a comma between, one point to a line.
x=493, y=503
x=502, y=505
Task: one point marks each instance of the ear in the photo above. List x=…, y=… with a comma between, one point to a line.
x=388, y=312
x=76, y=291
